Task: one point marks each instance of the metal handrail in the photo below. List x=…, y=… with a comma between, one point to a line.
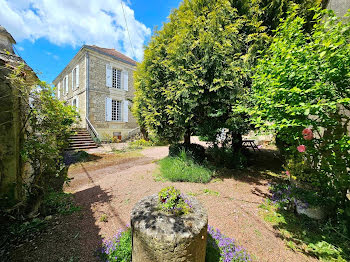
x=91, y=129
x=134, y=132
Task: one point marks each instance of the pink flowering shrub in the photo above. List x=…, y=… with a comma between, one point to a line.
x=301, y=148
x=307, y=134
x=301, y=90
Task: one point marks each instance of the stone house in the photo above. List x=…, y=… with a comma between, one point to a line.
x=99, y=83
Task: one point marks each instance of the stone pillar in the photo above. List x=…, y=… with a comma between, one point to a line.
x=158, y=236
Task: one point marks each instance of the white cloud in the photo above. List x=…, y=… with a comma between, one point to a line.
x=75, y=23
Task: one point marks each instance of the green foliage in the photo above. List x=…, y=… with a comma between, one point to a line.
x=27, y=228
x=119, y=249
x=212, y=251
x=199, y=66
x=184, y=169
x=219, y=248
x=226, y=157
x=170, y=200
x=140, y=143
x=321, y=239
x=59, y=202
x=303, y=82
x=193, y=70
x=195, y=151
x=207, y=191
x=103, y=218
x=46, y=125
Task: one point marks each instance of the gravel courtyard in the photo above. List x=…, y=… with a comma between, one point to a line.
x=107, y=188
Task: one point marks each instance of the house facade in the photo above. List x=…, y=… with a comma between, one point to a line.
x=99, y=83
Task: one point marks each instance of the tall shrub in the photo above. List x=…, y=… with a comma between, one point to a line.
x=199, y=65
x=46, y=124
x=301, y=89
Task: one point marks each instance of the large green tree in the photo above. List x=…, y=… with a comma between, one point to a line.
x=199, y=65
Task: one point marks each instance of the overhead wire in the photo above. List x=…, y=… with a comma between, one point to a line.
x=127, y=29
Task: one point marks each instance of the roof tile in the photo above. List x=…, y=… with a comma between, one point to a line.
x=113, y=52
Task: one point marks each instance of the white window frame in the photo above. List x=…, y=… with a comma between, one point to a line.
x=116, y=78
x=65, y=84
x=59, y=90
x=74, y=78
x=116, y=110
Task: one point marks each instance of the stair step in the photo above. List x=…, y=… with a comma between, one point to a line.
x=82, y=142
x=81, y=147
x=81, y=139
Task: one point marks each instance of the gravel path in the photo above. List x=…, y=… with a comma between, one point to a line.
x=110, y=186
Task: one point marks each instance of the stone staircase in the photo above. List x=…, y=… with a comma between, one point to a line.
x=81, y=140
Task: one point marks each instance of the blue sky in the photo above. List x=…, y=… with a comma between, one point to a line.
x=49, y=33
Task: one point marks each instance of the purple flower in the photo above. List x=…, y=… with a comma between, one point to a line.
x=229, y=251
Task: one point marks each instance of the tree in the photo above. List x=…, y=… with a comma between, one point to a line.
x=199, y=66
x=301, y=87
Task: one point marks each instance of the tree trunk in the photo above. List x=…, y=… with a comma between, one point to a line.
x=187, y=136
x=144, y=133
x=236, y=142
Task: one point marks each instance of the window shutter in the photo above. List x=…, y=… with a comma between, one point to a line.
x=59, y=90
x=126, y=80
x=108, y=109
x=108, y=75
x=77, y=76
x=66, y=79
x=77, y=103
x=126, y=111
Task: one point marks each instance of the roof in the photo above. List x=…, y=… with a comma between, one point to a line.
x=112, y=52
x=13, y=59
x=3, y=31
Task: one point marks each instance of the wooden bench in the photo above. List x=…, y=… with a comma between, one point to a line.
x=250, y=143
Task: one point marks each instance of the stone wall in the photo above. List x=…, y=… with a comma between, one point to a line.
x=76, y=92
x=10, y=140
x=340, y=7
x=98, y=92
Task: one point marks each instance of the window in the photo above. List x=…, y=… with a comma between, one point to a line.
x=117, y=78
x=59, y=90
x=116, y=110
x=65, y=84
x=74, y=78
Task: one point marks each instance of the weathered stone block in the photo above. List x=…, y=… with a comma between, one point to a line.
x=158, y=236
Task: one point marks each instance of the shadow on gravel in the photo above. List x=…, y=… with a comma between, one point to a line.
x=72, y=157
x=72, y=237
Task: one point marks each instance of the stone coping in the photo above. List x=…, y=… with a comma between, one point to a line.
x=149, y=220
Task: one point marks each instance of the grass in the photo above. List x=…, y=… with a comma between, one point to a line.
x=207, y=191
x=300, y=233
x=183, y=169
x=104, y=218
x=59, y=202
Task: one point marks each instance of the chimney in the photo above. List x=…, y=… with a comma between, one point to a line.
x=6, y=41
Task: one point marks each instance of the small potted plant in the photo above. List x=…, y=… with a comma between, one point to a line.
x=172, y=201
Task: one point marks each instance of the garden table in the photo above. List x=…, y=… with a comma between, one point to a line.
x=250, y=143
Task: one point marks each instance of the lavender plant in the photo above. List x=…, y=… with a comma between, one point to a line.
x=219, y=248
x=224, y=249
